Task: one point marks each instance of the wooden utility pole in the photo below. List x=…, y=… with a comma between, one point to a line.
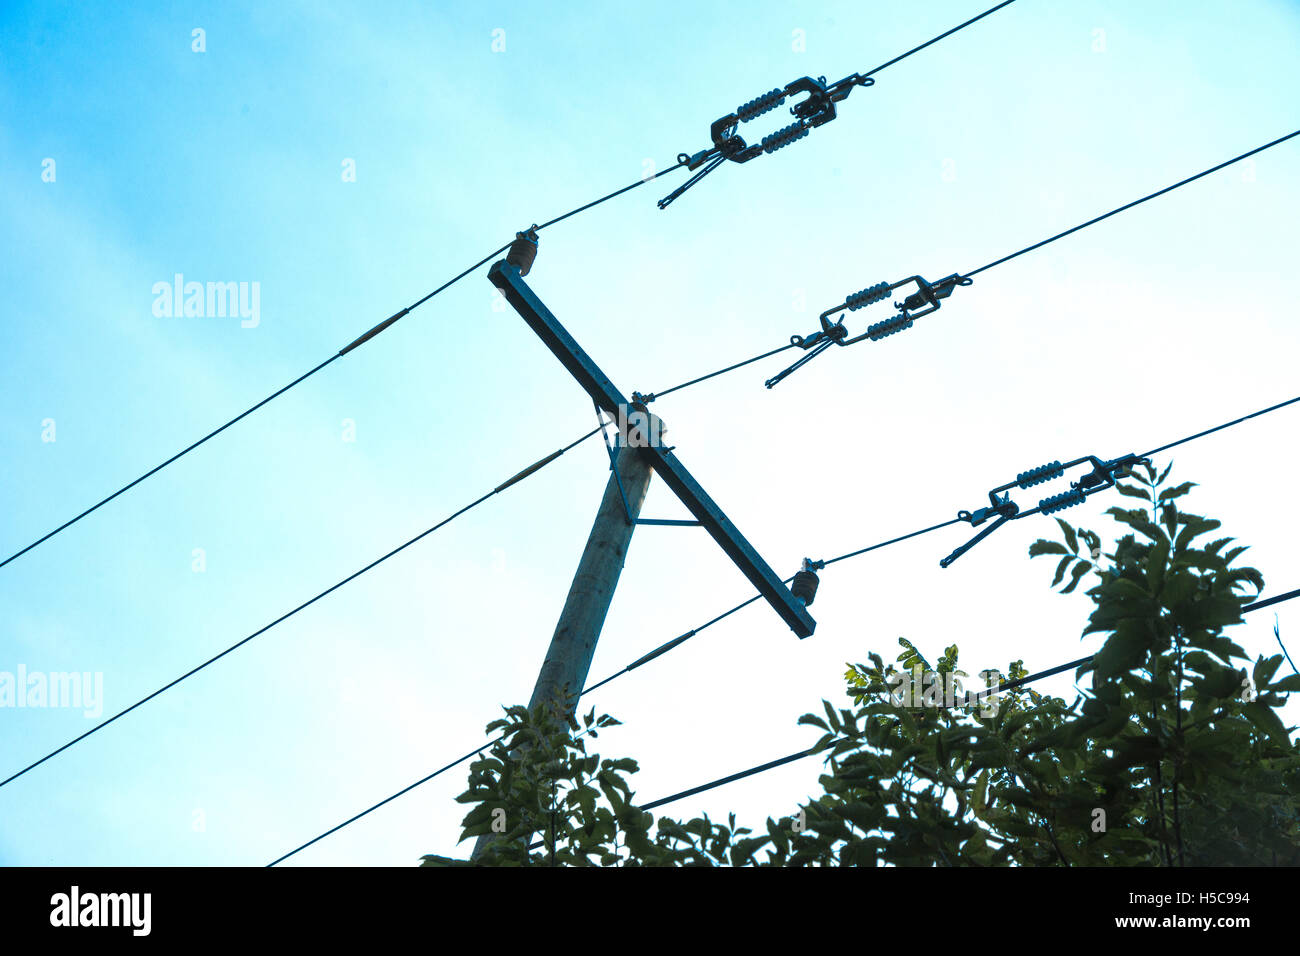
x=564, y=671
x=573, y=645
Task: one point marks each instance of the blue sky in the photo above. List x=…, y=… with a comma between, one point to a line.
x=227, y=165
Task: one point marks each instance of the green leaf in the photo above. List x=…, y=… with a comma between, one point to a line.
x=1060, y=568
x=1080, y=569
x=1265, y=668
x=1234, y=553
x=1195, y=526
x=1287, y=685
x=1071, y=541
x=1043, y=546
x=1132, y=491
x=1169, y=494
x=1266, y=719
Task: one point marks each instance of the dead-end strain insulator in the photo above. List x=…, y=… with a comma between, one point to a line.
x=804, y=585
x=1066, y=499
x=816, y=109
x=760, y=105
x=523, y=251
x=784, y=137
x=887, y=327
x=1036, y=476
x=868, y=296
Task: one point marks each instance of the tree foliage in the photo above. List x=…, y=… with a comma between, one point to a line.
x=1175, y=754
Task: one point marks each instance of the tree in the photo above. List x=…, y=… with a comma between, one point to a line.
x=1174, y=756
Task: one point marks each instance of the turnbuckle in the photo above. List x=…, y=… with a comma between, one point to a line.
x=921, y=302
x=816, y=109
x=1102, y=476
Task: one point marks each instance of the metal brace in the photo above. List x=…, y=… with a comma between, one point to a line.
x=613, y=460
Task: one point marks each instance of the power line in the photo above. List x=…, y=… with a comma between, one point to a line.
x=158, y=468
x=646, y=399
x=1009, y=685
x=353, y=819
x=818, y=565
x=683, y=638
x=770, y=765
x=520, y=476
x=917, y=49
x=662, y=649
x=689, y=634
x=1053, y=671
x=617, y=192
x=1217, y=428
x=355, y=343
x=817, y=109
x=1285, y=596
x=388, y=322
x=676, y=641
x=928, y=296
x=854, y=554
x=1080, y=491
x=1136, y=202
x=799, y=755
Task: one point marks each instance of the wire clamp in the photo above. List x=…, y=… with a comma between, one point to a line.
x=1002, y=506
x=834, y=333
x=1105, y=473
x=814, y=345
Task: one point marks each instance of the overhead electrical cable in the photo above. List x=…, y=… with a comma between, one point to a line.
x=518, y=477
x=355, y=343
x=1137, y=202
x=816, y=109
x=927, y=297
x=1102, y=475
x=683, y=638
x=752, y=771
